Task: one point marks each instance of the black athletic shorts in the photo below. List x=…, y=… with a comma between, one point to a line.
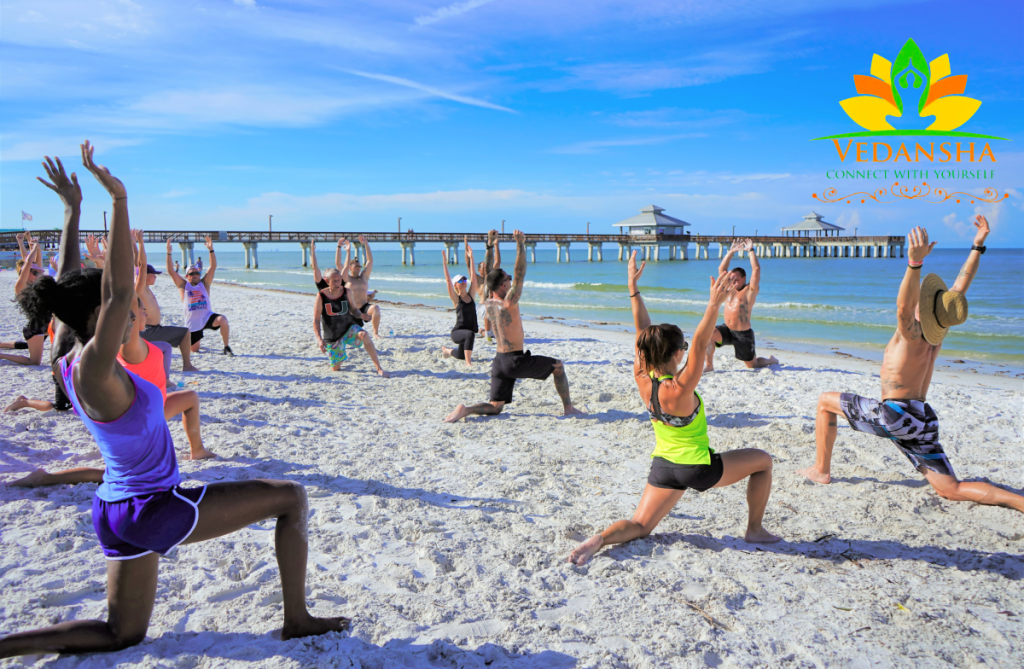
x=359, y=321
x=198, y=334
x=742, y=342
x=168, y=334
x=666, y=474
x=507, y=367
x=27, y=333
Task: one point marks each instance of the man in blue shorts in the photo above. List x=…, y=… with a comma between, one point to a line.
x=925, y=311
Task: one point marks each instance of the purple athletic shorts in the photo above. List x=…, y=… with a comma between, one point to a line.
x=146, y=524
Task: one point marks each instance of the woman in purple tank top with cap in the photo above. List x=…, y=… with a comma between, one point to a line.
x=140, y=512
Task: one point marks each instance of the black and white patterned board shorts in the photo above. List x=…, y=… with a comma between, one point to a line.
x=911, y=424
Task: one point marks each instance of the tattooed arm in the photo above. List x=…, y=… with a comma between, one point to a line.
x=970, y=268
x=723, y=267
x=519, y=276
x=910, y=290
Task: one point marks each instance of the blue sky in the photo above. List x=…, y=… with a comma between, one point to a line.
x=456, y=115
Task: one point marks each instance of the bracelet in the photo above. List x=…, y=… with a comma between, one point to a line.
x=632, y=295
x=915, y=266
x=120, y=198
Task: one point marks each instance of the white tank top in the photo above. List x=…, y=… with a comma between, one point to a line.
x=196, y=303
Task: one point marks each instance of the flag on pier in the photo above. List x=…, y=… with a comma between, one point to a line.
x=26, y=217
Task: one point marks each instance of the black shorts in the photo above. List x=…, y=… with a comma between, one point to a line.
x=168, y=334
x=666, y=474
x=198, y=334
x=507, y=367
x=363, y=309
x=27, y=333
x=742, y=342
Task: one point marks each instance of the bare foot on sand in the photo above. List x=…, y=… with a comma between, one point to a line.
x=446, y=352
x=20, y=402
x=761, y=536
x=383, y=374
x=573, y=411
x=202, y=454
x=33, y=480
x=586, y=550
x=189, y=368
x=457, y=415
x=314, y=627
x=815, y=474
x=773, y=361
x=709, y=365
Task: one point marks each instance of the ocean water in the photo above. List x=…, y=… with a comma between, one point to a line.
x=813, y=304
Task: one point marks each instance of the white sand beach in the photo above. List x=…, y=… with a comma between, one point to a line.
x=446, y=544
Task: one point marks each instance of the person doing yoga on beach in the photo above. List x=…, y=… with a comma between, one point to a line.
x=356, y=279
x=140, y=511
x=682, y=457
x=147, y=361
x=510, y=362
x=460, y=290
x=736, y=330
x=336, y=324
x=924, y=313
x=33, y=338
x=62, y=339
x=493, y=256
x=195, y=300
x=175, y=337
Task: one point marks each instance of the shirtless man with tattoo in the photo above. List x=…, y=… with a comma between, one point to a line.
x=356, y=278
x=510, y=362
x=924, y=313
x=736, y=331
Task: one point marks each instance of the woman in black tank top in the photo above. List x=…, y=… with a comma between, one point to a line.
x=461, y=290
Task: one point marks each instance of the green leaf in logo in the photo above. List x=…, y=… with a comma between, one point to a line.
x=910, y=71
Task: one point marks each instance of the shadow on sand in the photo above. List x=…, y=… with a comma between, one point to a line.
x=838, y=551
x=267, y=649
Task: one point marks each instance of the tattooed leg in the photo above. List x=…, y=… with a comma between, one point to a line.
x=825, y=427
x=562, y=386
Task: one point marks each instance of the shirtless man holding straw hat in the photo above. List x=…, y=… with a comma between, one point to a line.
x=924, y=311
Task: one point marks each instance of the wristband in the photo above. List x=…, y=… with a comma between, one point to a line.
x=632, y=295
x=120, y=198
x=979, y=249
x=915, y=266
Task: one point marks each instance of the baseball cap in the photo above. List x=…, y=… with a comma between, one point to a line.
x=151, y=270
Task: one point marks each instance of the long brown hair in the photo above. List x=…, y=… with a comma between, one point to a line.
x=657, y=344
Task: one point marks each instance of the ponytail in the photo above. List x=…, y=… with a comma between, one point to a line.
x=73, y=300
x=656, y=345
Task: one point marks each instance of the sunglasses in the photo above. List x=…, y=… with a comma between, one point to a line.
x=34, y=272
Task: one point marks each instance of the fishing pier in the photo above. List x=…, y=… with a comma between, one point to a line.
x=653, y=246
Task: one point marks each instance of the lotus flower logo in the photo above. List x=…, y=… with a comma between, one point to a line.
x=901, y=97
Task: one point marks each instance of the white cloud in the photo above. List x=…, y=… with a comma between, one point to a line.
x=66, y=147
x=399, y=81
x=596, y=146
x=953, y=222
x=245, y=3
x=450, y=11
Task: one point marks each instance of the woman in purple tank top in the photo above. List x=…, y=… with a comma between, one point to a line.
x=140, y=512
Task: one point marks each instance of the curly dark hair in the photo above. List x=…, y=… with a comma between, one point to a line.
x=72, y=299
x=657, y=344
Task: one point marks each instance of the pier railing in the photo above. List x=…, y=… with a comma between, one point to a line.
x=649, y=245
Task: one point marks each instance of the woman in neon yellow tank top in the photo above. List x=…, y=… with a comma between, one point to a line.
x=682, y=457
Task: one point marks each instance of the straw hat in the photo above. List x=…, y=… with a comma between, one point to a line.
x=940, y=309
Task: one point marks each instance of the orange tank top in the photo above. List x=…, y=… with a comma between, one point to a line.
x=151, y=369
